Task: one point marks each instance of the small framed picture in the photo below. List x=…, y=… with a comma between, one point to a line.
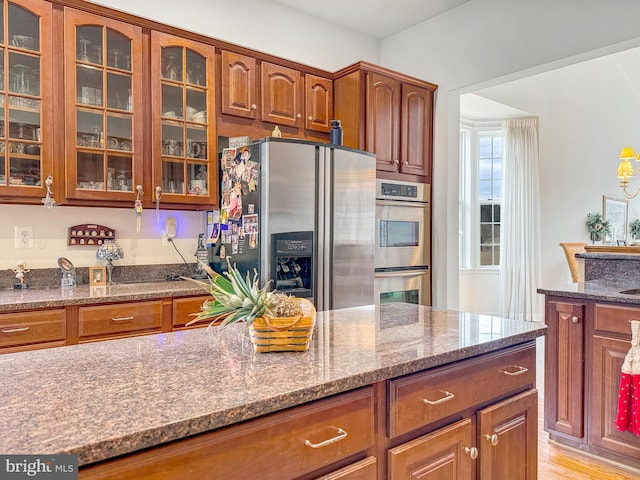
x=97, y=276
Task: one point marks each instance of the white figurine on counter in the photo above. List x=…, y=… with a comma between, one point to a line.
x=20, y=270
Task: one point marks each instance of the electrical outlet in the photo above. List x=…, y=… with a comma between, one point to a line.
x=169, y=231
x=24, y=237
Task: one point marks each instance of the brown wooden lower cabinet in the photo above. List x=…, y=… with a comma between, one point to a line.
x=55, y=327
x=504, y=445
x=287, y=444
x=32, y=329
x=444, y=454
x=608, y=356
x=480, y=424
x=586, y=343
x=493, y=434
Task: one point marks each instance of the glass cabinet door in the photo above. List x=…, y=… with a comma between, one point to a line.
x=103, y=81
x=25, y=97
x=184, y=150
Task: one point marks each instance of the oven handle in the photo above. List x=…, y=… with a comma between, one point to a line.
x=403, y=273
x=400, y=203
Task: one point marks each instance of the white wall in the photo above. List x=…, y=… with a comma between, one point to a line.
x=588, y=112
x=264, y=26
x=251, y=23
x=487, y=42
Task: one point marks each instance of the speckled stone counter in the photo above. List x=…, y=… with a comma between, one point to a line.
x=600, y=290
x=12, y=300
x=104, y=399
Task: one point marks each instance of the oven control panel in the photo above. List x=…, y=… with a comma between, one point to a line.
x=403, y=191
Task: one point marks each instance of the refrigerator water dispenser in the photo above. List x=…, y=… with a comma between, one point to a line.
x=292, y=263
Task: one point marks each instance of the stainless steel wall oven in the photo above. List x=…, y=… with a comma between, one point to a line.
x=403, y=243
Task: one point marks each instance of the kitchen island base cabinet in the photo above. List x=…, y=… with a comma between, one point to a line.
x=505, y=446
x=289, y=444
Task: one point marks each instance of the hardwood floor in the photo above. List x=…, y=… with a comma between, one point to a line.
x=558, y=463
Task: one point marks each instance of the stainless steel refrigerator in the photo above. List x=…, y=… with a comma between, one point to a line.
x=307, y=225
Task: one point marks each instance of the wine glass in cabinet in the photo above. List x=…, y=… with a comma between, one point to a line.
x=184, y=146
x=103, y=82
x=26, y=111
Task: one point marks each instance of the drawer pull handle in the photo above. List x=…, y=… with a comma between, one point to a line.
x=447, y=396
x=520, y=371
x=15, y=330
x=575, y=319
x=492, y=439
x=340, y=436
x=122, y=319
x=472, y=452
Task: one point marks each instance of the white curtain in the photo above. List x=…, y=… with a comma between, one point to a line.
x=520, y=222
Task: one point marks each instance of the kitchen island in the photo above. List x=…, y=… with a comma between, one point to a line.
x=139, y=400
x=589, y=335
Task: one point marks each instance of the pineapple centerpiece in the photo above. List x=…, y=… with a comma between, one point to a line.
x=277, y=322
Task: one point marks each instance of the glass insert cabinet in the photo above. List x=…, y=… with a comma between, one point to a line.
x=184, y=153
x=104, y=110
x=25, y=97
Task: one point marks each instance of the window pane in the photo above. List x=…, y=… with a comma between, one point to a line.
x=497, y=190
x=486, y=256
x=497, y=169
x=485, y=213
x=497, y=147
x=486, y=236
x=484, y=147
x=484, y=169
x=484, y=190
x=496, y=212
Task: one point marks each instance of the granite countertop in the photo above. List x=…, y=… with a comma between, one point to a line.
x=599, y=290
x=12, y=300
x=105, y=399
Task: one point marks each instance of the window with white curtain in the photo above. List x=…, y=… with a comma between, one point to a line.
x=480, y=194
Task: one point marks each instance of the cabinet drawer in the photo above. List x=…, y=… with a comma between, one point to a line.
x=286, y=444
x=421, y=399
x=26, y=328
x=184, y=308
x=120, y=318
x=362, y=470
x=615, y=319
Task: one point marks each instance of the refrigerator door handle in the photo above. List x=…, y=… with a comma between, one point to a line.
x=321, y=189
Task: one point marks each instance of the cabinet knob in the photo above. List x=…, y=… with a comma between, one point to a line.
x=575, y=319
x=406, y=162
x=310, y=118
x=492, y=439
x=472, y=452
x=298, y=116
x=254, y=106
x=395, y=162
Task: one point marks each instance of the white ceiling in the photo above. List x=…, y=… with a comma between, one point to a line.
x=377, y=18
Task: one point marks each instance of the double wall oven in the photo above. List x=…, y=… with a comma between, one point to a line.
x=403, y=239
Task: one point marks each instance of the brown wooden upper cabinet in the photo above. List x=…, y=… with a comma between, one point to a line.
x=103, y=110
x=239, y=88
x=282, y=98
x=26, y=96
x=184, y=149
x=266, y=92
x=389, y=114
x=318, y=103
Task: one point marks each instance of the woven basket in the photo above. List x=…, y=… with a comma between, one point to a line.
x=284, y=334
